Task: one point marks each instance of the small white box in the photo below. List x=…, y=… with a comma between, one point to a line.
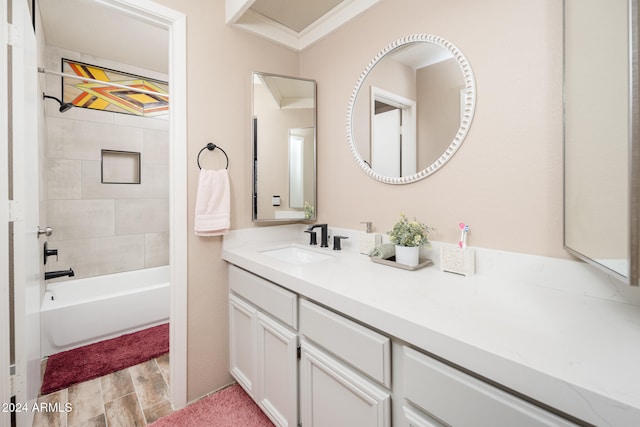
x=456, y=260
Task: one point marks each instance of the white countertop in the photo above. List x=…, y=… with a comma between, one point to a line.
x=554, y=330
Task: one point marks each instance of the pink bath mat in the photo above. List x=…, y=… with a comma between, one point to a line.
x=230, y=407
x=104, y=357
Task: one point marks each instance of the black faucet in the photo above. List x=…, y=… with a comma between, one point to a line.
x=324, y=235
x=336, y=242
x=312, y=237
x=60, y=273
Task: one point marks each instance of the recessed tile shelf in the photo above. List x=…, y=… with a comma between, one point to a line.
x=120, y=167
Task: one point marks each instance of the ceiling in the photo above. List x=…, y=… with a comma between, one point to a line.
x=87, y=27
x=420, y=55
x=287, y=92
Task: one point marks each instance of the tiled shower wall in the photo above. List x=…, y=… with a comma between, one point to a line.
x=104, y=228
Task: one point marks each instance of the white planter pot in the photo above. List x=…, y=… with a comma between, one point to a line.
x=408, y=255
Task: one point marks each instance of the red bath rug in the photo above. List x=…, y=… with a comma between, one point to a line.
x=231, y=407
x=104, y=357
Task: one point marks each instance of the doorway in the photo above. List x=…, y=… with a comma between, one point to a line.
x=393, y=148
x=175, y=24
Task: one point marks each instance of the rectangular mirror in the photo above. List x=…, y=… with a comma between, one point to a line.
x=601, y=161
x=284, y=148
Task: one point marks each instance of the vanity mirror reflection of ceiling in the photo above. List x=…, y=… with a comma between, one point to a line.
x=295, y=24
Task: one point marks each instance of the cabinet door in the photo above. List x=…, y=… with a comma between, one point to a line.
x=242, y=343
x=332, y=394
x=277, y=371
x=462, y=400
x=414, y=418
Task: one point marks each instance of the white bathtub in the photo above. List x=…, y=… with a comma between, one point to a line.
x=79, y=312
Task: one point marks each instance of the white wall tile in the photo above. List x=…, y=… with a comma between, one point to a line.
x=76, y=139
x=142, y=216
x=154, y=185
x=155, y=180
x=156, y=146
x=156, y=249
x=78, y=219
x=96, y=256
x=64, y=179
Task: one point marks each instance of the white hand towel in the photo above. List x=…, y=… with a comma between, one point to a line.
x=213, y=203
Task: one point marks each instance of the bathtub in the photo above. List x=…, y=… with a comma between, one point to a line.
x=79, y=312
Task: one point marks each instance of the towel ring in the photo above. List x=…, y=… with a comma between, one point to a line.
x=210, y=146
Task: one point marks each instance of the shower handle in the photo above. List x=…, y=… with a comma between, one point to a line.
x=49, y=252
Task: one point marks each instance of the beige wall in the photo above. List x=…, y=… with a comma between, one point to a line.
x=219, y=65
x=438, y=109
x=505, y=181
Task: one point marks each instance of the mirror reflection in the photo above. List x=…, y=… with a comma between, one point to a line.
x=284, y=148
x=597, y=139
x=411, y=109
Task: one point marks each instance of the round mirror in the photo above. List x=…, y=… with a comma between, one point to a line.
x=411, y=109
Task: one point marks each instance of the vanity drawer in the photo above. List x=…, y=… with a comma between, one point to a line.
x=357, y=345
x=459, y=399
x=271, y=298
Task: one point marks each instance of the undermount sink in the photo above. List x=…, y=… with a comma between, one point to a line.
x=296, y=254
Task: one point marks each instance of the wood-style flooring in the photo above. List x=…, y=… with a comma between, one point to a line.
x=135, y=396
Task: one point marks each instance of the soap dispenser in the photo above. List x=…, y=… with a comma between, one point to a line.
x=368, y=239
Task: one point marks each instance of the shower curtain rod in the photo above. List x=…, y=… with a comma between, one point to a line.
x=72, y=76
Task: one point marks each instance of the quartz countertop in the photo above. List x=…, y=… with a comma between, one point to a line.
x=554, y=330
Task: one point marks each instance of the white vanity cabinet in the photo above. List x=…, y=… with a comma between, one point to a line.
x=345, y=371
x=437, y=394
x=263, y=343
x=309, y=363
x=243, y=343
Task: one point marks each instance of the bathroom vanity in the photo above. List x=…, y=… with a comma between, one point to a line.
x=334, y=339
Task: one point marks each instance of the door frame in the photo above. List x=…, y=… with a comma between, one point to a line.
x=175, y=23
x=25, y=252
x=19, y=106
x=5, y=389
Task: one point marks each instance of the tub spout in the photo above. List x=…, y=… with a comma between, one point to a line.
x=60, y=273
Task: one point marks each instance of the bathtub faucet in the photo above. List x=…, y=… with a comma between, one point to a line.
x=60, y=273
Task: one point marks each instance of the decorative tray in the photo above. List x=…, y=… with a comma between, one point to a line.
x=391, y=261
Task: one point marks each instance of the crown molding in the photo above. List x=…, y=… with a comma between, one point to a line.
x=239, y=15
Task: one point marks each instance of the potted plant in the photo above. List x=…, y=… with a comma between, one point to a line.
x=308, y=210
x=408, y=236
